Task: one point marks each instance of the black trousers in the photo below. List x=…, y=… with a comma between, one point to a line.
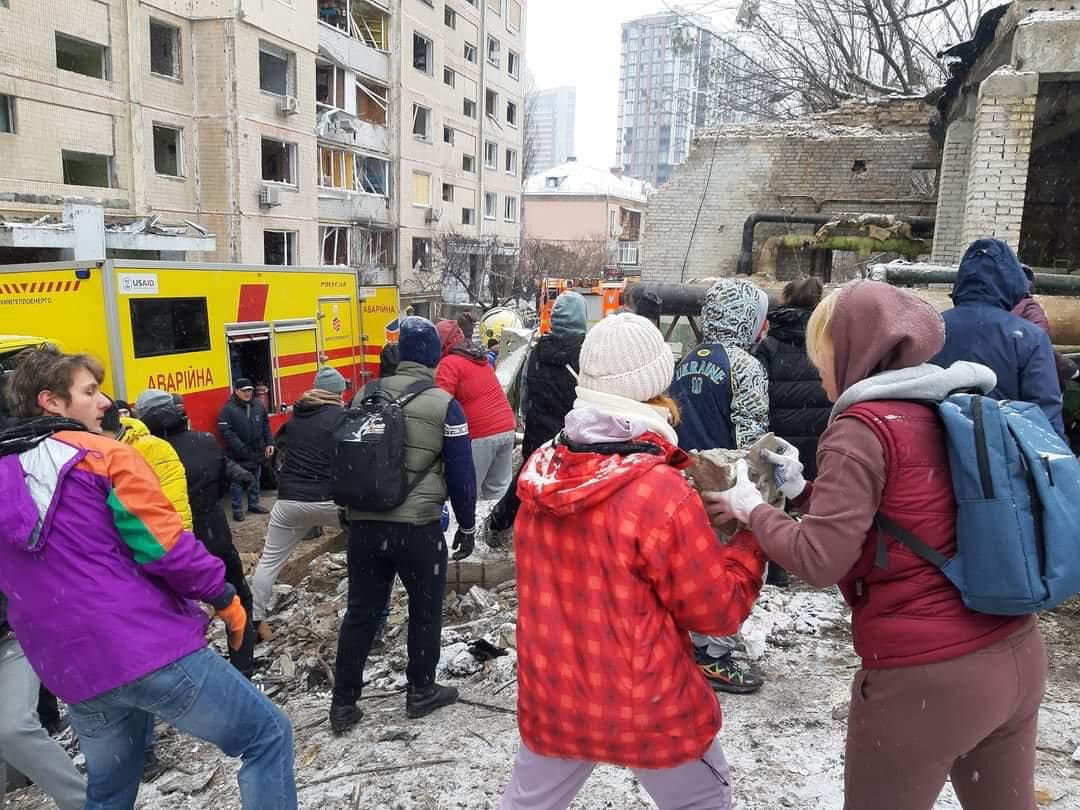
x=214, y=533
x=377, y=550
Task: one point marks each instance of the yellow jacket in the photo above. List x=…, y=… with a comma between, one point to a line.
x=161, y=457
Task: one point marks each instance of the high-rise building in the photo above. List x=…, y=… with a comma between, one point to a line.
x=365, y=133
x=552, y=117
x=663, y=88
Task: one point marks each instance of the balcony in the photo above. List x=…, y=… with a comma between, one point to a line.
x=628, y=254
x=356, y=35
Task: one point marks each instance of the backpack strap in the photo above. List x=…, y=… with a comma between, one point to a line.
x=913, y=542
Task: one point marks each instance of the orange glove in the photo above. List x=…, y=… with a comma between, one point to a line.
x=235, y=618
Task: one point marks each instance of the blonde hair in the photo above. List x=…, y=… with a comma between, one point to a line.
x=819, y=342
x=670, y=405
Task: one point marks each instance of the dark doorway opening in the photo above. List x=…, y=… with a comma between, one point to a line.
x=250, y=356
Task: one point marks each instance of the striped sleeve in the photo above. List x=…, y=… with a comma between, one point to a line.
x=153, y=532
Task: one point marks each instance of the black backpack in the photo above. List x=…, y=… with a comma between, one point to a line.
x=369, y=472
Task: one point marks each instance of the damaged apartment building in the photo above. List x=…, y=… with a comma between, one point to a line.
x=313, y=132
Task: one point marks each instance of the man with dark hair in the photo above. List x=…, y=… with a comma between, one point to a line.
x=123, y=640
x=245, y=429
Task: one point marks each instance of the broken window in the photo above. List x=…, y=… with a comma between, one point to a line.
x=7, y=114
x=510, y=214
x=467, y=215
x=493, y=51
x=335, y=13
x=376, y=248
x=80, y=56
x=449, y=77
x=335, y=168
x=491, y=104
x=450, y=17
x=448, y=135
x=329, y=85
x=278, y=161
x=512, y=162
x=447, y=192
x=491, y=205
x=422, y=53
x=470, y=52
x=468, y=163
x=514, y=15
x=168, y=150
x=372, y=102
x=421, y=122
x=468, y=108
x=421, y=184
x=276, y=70
x=87, y=169
x=371, y=25
x=335, y=245
x=511, y=113
x=491, y=155
x=373, y=176
x=164, y=50
x=513, y=64
x=279, y=247
x=421, y=254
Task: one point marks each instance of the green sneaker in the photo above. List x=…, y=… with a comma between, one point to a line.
x=724, y=675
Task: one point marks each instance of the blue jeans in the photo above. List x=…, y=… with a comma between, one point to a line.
x=204, y=696
x=236, y=491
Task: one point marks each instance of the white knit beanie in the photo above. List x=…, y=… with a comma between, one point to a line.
x=625, y=355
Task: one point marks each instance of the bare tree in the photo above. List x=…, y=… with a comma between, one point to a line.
x=547, y=258
x=483, y=271
x=528, y=144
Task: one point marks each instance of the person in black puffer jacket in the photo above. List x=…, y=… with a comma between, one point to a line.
x=798, y=407
x=305, y=484
x=549, y=393
x=209, y=476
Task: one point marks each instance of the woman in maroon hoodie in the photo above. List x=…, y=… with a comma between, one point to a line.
x=943, y=692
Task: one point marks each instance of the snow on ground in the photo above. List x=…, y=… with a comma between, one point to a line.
x=785, y=744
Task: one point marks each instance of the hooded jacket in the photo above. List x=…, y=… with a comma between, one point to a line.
x=88, y=512
x=885, y=451
x=721, y=388
x=306, y=473
x=798, y=406
x=245, y=431
x=466, y=375
x=981, y=328
x=550, y=385
x=163, y=460
x=605, y=666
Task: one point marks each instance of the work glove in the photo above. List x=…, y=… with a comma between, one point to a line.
x=235, y=473
x=736, y=503
x=235, y=618
x=464, y=542
x=787, y=469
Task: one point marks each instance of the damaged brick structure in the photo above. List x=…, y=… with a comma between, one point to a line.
x=877, y=158
x=1010, y=127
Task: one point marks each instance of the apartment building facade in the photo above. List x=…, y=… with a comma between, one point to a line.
x=664, y=80
x=552, y=124
x=284, y=127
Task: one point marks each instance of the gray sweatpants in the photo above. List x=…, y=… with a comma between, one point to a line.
x=493, y=459
x=546, y=783
x=24, y=742
x=716, y=646
x=289, y=522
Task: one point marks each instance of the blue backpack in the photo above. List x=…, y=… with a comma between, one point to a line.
x=1017, y=487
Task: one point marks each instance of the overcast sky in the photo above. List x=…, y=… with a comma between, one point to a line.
x=578, y=43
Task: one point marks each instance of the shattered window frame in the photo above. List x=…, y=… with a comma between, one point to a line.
x=82, y=56
x=161, y=161
x=423, y=55
x=331, y=237
x=173, y=58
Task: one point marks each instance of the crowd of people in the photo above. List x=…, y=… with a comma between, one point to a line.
x=629, y=605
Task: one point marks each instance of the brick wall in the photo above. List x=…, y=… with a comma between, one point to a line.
x=786, y=167
x=952, y=194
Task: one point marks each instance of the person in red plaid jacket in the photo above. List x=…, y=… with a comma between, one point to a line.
x=616, y=563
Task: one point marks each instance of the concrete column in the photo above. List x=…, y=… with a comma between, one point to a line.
x=952, y=194
x=1001, y=151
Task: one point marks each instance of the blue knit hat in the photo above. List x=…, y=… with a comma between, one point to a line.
x=569, y=315
x=419, y=342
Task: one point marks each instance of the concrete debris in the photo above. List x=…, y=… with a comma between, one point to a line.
x=189, y=783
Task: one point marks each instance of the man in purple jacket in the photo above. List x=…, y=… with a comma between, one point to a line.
x=103, y=585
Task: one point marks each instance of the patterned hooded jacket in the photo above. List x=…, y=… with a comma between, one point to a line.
x=725, y=396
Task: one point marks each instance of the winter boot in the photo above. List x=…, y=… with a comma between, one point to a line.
x=420, y=702
x=777, y=575
x=238, y=516
x=343, y=716
x=258, y=510
x=724, y=675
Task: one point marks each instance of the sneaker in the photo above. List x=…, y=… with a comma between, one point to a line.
x=343, y=717
x=724, y=675
x=777, y=576
x=238, y=516
x=422, y=702
x=258, y=510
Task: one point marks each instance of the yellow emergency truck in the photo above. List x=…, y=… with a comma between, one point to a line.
x=194, y=328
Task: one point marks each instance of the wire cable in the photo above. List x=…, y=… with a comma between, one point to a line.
x=701, y=206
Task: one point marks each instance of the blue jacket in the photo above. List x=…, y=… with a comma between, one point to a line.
x=982, y=329
x=702, y=387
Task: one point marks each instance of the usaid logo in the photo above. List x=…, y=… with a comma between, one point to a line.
x=138, y=283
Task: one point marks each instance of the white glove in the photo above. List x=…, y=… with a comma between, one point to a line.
x=736, y=503
x=787, y=470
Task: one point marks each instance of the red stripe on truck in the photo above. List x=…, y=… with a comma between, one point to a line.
x=252, y=303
